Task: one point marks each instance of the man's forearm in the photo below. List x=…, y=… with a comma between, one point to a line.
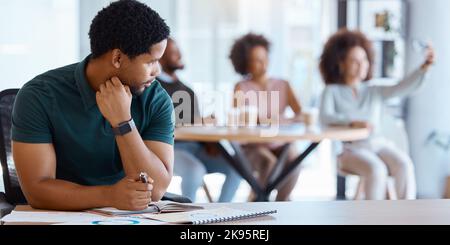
x=63, y=195
x=136, y=157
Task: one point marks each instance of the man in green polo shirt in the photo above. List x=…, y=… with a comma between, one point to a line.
x=83, y=133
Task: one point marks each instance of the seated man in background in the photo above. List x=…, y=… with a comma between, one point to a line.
x=82, y=133
x=192, y=159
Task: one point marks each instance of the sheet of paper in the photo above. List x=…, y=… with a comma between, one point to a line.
x=115, y=221
x=74, y=218
x=50, y=217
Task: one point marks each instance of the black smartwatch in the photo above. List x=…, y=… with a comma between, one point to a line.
x=124, y=127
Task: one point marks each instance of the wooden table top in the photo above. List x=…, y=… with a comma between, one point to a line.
x=285, y=133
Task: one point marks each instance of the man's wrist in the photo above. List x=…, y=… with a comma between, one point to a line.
x=115, y=123
x=124, y=127
x=105, y=194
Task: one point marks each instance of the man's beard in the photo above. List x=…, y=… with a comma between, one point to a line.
x=137, y=91
x=173, y=68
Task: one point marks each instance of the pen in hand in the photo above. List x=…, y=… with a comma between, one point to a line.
x=143, y=177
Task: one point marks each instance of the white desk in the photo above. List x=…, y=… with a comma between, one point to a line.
x=415, y=212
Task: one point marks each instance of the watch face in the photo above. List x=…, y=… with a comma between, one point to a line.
x=124, y=128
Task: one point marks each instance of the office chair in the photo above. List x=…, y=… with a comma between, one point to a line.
x=13, y=194
x=391, y=193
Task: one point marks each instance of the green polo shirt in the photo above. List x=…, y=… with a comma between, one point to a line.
x=59, y=107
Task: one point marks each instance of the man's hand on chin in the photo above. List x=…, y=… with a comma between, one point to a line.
x=114, y=101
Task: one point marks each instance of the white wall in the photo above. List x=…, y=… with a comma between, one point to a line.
x=36, y=36
x=428, y=110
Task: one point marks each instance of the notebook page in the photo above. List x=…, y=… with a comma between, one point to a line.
x=206, y=215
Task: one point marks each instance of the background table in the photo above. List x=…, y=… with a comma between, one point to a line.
x=285, y=134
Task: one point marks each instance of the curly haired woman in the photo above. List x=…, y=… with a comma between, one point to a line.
x=346, y=65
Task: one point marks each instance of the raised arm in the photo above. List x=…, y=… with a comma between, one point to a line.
x=152, y=156
x=411, y=82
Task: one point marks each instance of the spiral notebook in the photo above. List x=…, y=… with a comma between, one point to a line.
x=208, y=216
x=154, y=207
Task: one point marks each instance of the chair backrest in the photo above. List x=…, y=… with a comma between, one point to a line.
x=13, y=191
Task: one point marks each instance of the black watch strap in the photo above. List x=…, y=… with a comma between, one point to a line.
x=124, y=127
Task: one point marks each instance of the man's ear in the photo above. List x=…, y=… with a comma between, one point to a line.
x=117, y=58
